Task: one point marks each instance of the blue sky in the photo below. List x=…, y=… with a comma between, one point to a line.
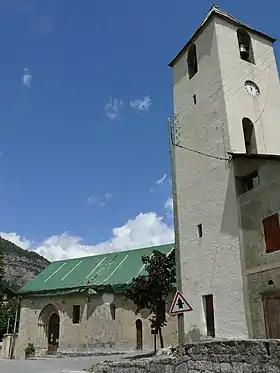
x=85, y=96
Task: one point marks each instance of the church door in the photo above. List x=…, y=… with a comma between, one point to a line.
x=53, y=333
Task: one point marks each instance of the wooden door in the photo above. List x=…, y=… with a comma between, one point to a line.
x=139, y=336
x=271, y=305
x=53, y=333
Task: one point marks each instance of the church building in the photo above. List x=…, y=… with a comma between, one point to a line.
x=78, y=306
x=227, y=149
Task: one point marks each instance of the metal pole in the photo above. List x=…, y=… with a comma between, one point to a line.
x=16, y=317
x=181, y=329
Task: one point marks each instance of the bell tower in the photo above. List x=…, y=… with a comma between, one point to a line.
x=226, y=102
x=251, y=88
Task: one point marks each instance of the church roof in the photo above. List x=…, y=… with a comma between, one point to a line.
x=93, y=273
x=215, y=11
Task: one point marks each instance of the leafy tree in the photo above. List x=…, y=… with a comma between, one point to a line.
x=2, y=268
x=7, y=308
x=151, y=290
x=7, y=316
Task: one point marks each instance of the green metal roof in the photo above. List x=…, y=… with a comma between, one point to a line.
x=115, y=270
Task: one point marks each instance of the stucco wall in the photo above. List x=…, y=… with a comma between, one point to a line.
x=256, y=204
x=263, y=111
x=97, y=330
x=206, y=195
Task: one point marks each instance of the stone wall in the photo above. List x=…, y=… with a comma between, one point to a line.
x=260, y=268
x=247, y=356
x=97, y=330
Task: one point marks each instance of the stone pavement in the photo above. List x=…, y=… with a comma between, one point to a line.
x=66, y=365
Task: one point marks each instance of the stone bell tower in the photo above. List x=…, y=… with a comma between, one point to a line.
x=226, y=103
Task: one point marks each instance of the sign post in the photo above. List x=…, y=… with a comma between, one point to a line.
x=179, y=305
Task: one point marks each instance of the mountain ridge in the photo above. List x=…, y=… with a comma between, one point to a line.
x=20, y=265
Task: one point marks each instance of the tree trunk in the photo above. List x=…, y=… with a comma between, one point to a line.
x=161, y=338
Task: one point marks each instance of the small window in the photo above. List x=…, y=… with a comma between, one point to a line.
x=76, y=314
x=192, y=61
x=113, y=311
x=199, y=230
x=249, y=136
x=271, y=233
x=194, y=99
x=248, y=182
x=209, y=314
x=245, y=46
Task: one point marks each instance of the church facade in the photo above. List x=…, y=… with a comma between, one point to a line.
x=227, y=109
x=227, y=164
x=78, y=306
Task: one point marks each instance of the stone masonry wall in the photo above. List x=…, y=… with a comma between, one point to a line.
x=243, y=356
x=97, y=330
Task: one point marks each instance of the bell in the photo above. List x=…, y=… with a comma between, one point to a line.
x=244, y=53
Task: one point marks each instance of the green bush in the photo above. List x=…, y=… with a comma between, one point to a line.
x=30, y=349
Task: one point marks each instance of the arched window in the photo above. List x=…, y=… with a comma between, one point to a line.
x=245, y=46
x=192, y=61
x=249, y=136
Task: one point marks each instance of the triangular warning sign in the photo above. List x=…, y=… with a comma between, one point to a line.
x=179, y=304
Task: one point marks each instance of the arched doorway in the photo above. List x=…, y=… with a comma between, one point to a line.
x=48, y=330
x=53, y=333
x=139, y=335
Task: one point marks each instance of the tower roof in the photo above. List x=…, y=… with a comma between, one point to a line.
x=215, y=11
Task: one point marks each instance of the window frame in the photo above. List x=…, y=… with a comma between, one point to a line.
x=192, y=61
x=113, y=310
x=271, y=235
x=76, y=318
x=244, y=181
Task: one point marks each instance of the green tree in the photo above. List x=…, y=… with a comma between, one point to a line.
x=2, y=267
x=150, y=291
x=7, y=316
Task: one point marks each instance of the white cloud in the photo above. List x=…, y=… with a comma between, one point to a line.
x=169, y=205
x=147, y=229
x=20, y=241
x=27, y=78
x=142, y=105
x=91, y=200
x=100, y=201
x=162, y=179
x=113, y=108
x=107, y=197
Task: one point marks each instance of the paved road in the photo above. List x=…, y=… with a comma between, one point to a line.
x=67, y=365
